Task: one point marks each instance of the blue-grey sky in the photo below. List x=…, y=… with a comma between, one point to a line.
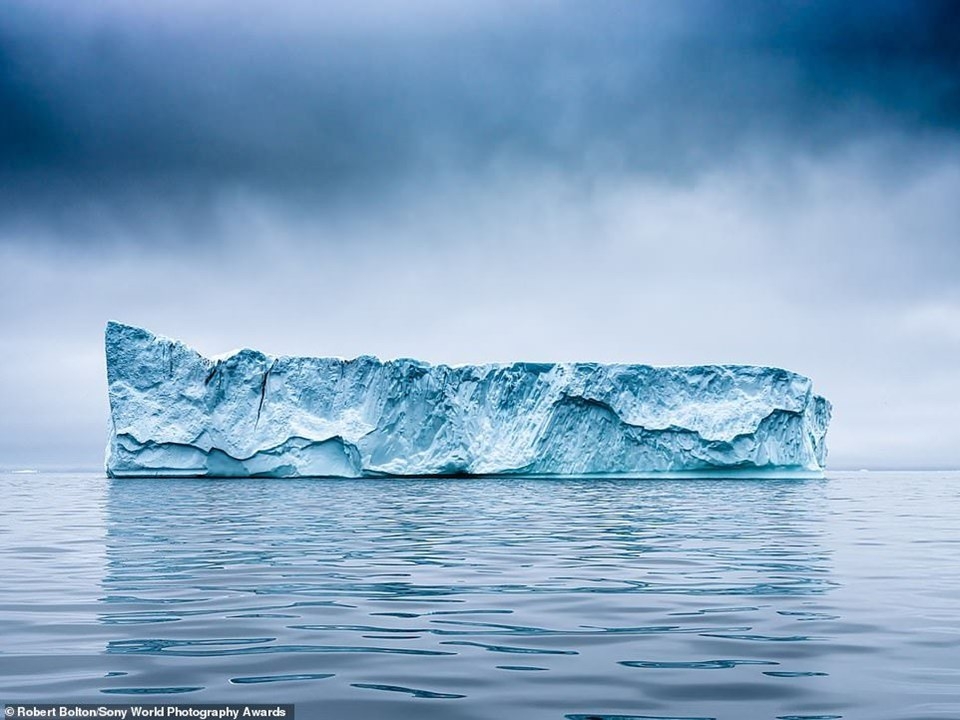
x=653, y=182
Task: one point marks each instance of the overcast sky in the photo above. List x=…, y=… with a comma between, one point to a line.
x=648, y=182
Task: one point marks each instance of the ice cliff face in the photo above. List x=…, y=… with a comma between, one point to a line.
x=175, y=412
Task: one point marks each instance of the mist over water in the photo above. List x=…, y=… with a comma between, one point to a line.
x=723, y=599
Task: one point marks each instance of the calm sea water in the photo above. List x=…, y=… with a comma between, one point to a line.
x=728, y=599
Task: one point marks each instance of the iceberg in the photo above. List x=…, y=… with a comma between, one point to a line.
x=175, y=412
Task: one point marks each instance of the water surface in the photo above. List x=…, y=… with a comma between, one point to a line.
x=725, y=599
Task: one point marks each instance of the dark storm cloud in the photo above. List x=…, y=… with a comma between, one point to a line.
x=116, y=113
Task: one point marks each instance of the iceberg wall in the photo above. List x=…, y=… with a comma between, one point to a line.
x=177, y=413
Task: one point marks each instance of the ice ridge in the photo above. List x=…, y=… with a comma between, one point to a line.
x=175, y=412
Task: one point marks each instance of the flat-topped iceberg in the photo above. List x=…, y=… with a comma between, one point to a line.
x=177, y=413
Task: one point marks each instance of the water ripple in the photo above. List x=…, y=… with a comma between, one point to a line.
x=152, y=690
x=510, y=648
x=694, y=664
x=410, y=691
x=173, y=647
x=815, y=600
x=794, y=673
x=256, y=679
